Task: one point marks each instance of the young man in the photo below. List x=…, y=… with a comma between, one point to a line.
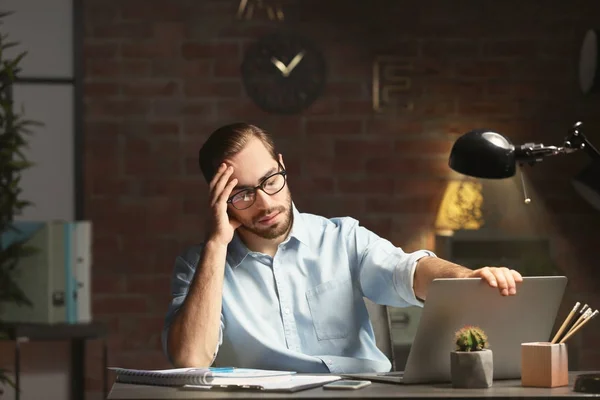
x=274, y=288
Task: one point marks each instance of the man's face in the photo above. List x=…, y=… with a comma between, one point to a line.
x=271, y=215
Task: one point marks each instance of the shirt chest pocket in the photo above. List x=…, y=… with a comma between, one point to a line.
x=332, y=306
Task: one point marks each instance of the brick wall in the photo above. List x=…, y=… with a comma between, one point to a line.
x=161, y=75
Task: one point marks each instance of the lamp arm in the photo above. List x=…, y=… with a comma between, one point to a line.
x=576, y=140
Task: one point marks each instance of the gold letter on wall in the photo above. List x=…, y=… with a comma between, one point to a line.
x=389, y=80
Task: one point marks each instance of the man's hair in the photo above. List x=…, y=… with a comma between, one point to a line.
x=226, y=142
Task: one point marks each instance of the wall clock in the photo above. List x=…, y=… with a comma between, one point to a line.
x=283, y=73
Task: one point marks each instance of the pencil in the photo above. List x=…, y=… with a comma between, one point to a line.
x=583, y=315
x=585, y=321
x=565, y=323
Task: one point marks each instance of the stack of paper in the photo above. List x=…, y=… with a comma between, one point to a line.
x=280, y=383
x=223, y=378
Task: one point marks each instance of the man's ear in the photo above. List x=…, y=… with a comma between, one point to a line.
x=281, y=160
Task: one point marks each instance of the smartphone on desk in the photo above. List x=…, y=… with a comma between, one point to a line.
x=346, y=384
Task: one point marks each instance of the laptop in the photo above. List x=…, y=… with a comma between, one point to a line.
x=508, y=321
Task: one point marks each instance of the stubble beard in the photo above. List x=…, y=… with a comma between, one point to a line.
x=277, y=230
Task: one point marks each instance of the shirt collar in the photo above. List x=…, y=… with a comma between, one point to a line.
x=237, y=250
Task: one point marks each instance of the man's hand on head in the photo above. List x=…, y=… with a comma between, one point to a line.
x=499, y=277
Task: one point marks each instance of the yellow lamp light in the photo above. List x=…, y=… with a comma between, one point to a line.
x=461, y=207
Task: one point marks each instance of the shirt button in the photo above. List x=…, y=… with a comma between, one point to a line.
x=329, y=362
x=286, y=311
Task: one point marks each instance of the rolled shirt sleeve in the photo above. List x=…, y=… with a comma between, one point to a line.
x=386, y=272
x=183, y=273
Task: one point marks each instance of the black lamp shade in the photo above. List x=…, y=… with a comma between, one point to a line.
x=483, y=154
x=587, y=184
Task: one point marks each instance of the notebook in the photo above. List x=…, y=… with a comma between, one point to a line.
x=281, y=383
x=189, y=376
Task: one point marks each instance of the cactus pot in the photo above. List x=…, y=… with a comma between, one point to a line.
x=472, y=369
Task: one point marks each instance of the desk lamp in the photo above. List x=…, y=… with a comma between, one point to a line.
x=485, y=154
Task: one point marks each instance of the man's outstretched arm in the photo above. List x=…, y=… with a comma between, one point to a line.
x=430, y=268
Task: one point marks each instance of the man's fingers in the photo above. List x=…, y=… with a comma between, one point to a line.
x=226, y=192
x=220, y=186
x=217, y=176
x=501, y=278
x=510, y=280
x=516, y=275
x=487, y=274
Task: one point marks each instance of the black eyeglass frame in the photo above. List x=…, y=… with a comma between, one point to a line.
x=254, y=189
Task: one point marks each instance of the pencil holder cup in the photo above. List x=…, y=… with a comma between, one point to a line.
x=544, y=364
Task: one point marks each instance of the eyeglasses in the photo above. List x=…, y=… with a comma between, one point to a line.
x=271, y=185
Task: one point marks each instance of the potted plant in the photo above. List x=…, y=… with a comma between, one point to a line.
x=13, y=129
x=472, y=363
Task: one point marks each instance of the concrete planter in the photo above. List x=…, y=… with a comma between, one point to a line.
x=472, y=369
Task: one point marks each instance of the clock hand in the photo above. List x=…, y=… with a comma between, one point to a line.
x=295, y=61
x=280, y=66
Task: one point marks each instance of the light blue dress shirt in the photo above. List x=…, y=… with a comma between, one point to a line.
x=303, y=310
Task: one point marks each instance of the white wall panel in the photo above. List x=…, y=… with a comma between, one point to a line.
x=44, y=28
x=49, y=184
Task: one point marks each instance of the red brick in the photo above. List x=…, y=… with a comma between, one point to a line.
x=194, y=50
x=151, y=89
x=117, y=107
x=335, y=205
x=109, y=283
x=366, y=185
x=394, y=127
x=124, y=30
x=139, y=146
x=346, y=90
x=341, y=127
x=241, y=109
x=467, y=107
x=197, y=69
x=212, y=89
x=148, y=284
x=449, y=48
x=313, y=186
x=420, y=187
x=457, y=88
x=363, y=147
x=391, y=205
x=108, y=186
x=153, y=10
x=509, y=48
x=150, y=49
x=356, y=107
x=409, y=167
x=418, y=148
x=165, y=128
x=322, y=106
x=169, y=32
x=348, y=165
x=100, y=89
x=483, y=69
x=100, y=50
x=125, y=304
x=226, y=68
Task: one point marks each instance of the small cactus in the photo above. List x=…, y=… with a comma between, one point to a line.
x=471, y=338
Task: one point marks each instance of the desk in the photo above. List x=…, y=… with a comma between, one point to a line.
x=500, y=390
x=77, y=334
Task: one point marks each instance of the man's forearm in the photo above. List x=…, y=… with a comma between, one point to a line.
x=194, y=332
x=430, y=268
